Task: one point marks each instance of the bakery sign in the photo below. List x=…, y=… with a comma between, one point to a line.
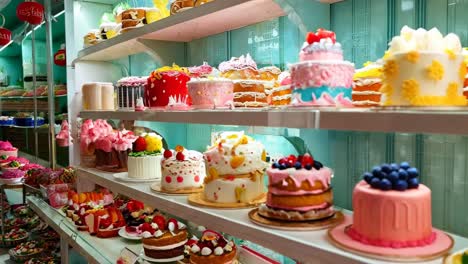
x=5, y=34
x=31, y=12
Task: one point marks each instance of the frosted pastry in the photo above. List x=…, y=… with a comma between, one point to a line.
x=367, y=83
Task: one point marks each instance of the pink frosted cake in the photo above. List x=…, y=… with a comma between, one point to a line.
x=7, y=149
x=299, y=189
x=208, y=90
x=403, y=218
x=322, y=77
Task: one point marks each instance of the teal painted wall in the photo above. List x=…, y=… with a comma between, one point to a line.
x=12, y=66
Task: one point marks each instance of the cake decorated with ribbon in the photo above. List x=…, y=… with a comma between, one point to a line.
x=322, y=77
x=167, y=87
x=213, y=248
x=235, y=167
x=208, y=89
x=182, y=170
x=299, y=189
x=164, y=239
x=144, y=162
x=249, y=89
x=403, y=218
x=367, y=84
x=423, y=68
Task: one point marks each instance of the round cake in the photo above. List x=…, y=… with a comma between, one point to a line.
x=299, y=189
x=422, y=68
x=164, y=239
x=391, y=208
x=182, y=170
x=281, y=93
x=235, y=168
x=7, y=149
x=145, y=160
x=367, y=83
x=213, y=248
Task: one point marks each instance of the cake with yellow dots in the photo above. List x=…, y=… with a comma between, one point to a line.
x=423, y=68
x=235, y=167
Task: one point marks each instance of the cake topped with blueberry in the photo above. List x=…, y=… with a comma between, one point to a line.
x=393, y=176
x=299, y=189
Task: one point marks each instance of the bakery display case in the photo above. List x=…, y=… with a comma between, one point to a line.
x=264, y=122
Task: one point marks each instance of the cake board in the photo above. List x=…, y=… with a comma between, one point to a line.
x=124, y=177
x=442, y=245
x=169, y=260
x=308, y=225
x=158, y=188
x=199, y=200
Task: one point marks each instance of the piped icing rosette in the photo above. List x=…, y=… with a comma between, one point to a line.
x=182, y=169
x=423, y=68
x=167, y=87
x=213, y=248
x=164, y=239
x=299, y=189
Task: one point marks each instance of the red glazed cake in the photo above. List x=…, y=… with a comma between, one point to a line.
x=167, y=87
x=213, y=248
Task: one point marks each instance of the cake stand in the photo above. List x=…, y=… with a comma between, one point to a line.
x=439, y=248
x=158, y=188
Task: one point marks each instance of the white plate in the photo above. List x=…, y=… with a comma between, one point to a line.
x=124, y=177
x=125, y=235
x=450, y=258
x=11, y=181
x=143, y=256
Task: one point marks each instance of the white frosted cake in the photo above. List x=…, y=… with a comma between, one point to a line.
x=236, y=164
x=182, y=170
x=145, y=160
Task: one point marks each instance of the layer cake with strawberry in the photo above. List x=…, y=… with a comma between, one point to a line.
x=322, y=77
x=299, y=189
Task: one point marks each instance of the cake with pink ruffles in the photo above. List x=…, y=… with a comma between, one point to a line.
x=208, y=90
x=90, y=132
x=63, y=137
x=112, y=150
x=7, y=149
x=322, y=77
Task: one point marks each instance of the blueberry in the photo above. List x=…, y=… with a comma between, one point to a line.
x=402, y=174
x=276, y=165
x=308, y=166
x=317, y=164
x=383, y=175
x=413, y=183
x=385, y=185
x=394, y=167
x=386, y=168
x=282, y=166
x=375, y=183
x=401, y=185
x=393, y=177
x=376, y=171
x=413, y=172
x=404, y=165
x=367, y=177
x=298, y=165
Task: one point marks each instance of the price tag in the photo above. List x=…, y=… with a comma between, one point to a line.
x=73, y=236
x=128, y=256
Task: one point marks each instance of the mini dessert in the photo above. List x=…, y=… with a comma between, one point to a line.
x=109, y=30
x=299, y=189
x=182, y=170
x=129, y=89
x=367, y=83
x=133, y=18
x=92, y=38
x=164, y=239
x=167, y=87
x=282, y=93
x=10, y=176
x=44, y=260
x=14, y=237
x=26, y=250
x=7, y=149
x=63, y=137
x=6, y=121
x=405, y=216
x=235, y=168
x=105, y=223
x=14, y=222
x=135, y=214
x=181, y=5
x=207, y=89
x=322, y=77
x=249, y=90
x=145, y=160
x=213, y=248
x=422, y=68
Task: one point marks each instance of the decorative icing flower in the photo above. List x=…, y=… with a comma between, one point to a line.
x=412, y=56
x=462, y=71
x=390, y=69
x=153, y=143
x=410, y=90
x=451, y=54
x=387, y=89
x=452, y=90
x=435, y=71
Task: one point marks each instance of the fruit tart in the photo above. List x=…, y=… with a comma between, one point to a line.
x=45, y=260
x=21, y=210
x=14, y=237
x=26, y=250
x=14, y=223
x=105, y=223
x=213, y=248
x=50, y=234
x=135, y=214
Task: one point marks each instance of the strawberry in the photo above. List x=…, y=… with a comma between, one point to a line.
x=146, y=227
x=160, y=221
x=139, y=145
x=167, y=153
x=323, y=33
x=282, y=161
x=105, y=222
x=180, y=156
x=307, y=159
x=292, y=159
x=312, y=38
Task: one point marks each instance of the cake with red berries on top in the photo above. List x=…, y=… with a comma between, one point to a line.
x=299, y=189
x=164, y=240
x=145, y=160
x=213, y=248
x=167, y=87
x=182, y=170
x=135, y=214
x=105, y=223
